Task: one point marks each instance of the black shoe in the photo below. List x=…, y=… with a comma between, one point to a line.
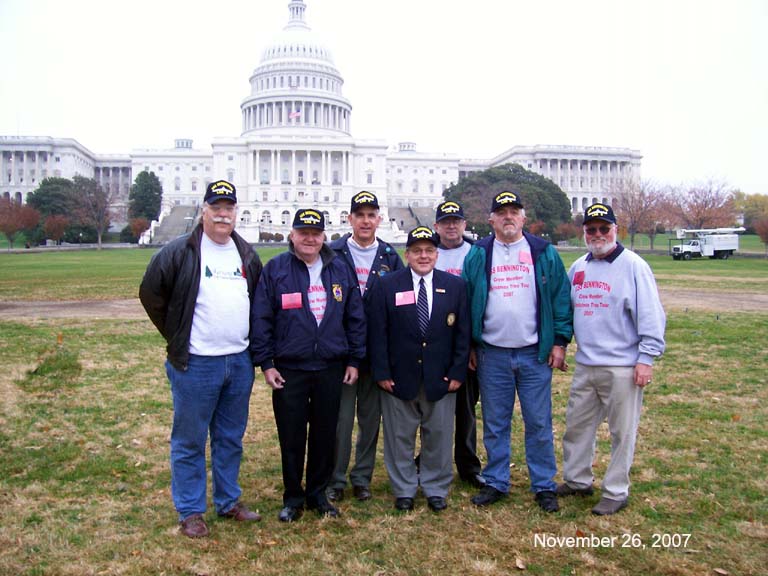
x=475, y=480
x=362, y=493
x=547, y=501
x=290, y=514
x=335, y=494
x=487, y=495
x=437, y=503
x=404, y=504
x=565, y=490
x=325, y=508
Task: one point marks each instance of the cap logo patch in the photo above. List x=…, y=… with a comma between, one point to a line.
x=364, y=198
x=222, y=187
x=422, y=233
x=597, y=210
x=450, y=207
x=506, y=198
x=310, y=217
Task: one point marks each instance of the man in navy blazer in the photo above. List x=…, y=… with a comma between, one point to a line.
x=418, y=336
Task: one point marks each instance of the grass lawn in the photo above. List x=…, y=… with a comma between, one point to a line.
x=84, y=430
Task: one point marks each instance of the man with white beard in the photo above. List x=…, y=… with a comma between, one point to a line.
x=619, y=325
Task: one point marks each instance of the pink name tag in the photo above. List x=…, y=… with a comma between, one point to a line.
x=578, y=278
x=525, y=258
x=291, y=301
x=403, y=298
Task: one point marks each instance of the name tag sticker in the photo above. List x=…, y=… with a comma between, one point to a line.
x=578, y=278
x=291, y=301
x=403, y=298
x=525, y=257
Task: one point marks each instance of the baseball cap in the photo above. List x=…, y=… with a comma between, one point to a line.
x=308, y=218
x=449, y=209
x=506, y=198
x=422, y=233
x=220, y=190
x=364, y=198
x=600, y=212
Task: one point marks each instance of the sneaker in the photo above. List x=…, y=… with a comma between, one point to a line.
x=547, y=501
x=565, y=490
x=606, y=507
x=487, y=495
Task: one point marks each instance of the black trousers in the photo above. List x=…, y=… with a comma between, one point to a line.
x=465, y=448
x=307, y=408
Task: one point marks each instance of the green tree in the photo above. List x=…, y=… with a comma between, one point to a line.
x=53, y=196
x=93, y=205
x=753, y=208
x=543, y=199
x=145, y=197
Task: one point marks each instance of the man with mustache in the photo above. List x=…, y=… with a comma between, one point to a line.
x=619, y=326
x=198, y=292
x=521, y=324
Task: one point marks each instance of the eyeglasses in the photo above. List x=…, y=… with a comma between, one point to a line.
x=592, y=230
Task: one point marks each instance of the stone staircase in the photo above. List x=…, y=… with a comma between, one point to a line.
x=408, y=218
x=180, y=221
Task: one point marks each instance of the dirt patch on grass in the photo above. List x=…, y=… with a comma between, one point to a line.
x=131, y=309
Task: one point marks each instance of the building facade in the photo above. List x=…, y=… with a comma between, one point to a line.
x=296, y=148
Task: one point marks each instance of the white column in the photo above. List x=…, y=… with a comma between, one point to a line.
x=308, y=170
x=256, y=166
x=344, y=163
x=293, y=178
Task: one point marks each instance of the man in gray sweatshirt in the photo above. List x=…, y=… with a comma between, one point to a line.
x=619, y=327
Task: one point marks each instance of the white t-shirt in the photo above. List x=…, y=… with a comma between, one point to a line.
x=317, y=296
x=451, y=260
x=510, y=313
x=363, y=259
x=220, y=323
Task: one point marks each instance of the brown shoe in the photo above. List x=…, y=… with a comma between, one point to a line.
x=194, y=526
x=241, y=513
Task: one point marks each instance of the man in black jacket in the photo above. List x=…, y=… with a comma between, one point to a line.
x=198, y=292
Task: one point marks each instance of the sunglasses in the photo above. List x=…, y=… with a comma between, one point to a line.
x=592, y=230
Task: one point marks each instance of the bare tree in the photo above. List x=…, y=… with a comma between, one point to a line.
x=94, y=205
x=636, y=205
x=707, y=205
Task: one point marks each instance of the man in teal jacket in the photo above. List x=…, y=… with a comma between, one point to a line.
x=522, y=322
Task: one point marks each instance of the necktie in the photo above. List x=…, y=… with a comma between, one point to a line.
x=423, y=307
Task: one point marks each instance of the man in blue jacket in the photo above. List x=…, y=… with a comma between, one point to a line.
x=418, y=335
x=198, y=291
x=521, y=323
x=308, y=329
x=369, y=258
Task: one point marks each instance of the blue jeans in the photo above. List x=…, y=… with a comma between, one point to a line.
x=211, y=396
x=502, y=373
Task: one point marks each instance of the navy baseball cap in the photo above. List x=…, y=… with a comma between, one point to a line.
x=600, y=212
x=363, y=199
x=220, y=190
x=308, y=218
x=449, y=209
x=422, y=233
x=506, y=198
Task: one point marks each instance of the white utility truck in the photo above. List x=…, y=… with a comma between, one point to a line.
x=713, y=242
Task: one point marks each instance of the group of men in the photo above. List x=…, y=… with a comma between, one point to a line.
x=346, y=332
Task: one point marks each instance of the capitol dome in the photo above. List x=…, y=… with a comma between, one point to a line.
x=296, y=84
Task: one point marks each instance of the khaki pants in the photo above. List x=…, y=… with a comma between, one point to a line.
x=597, y=393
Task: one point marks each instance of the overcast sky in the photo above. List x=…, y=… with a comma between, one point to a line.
x=685, y=82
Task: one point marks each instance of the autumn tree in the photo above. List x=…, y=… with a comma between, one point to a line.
x=761, y=227
x=546, y=205
x=138, y=226
x=145, y=198
x=637, y=207
x=15, y=217
x=752, y=207
x=54, y=227
x=94, y=205
x=707, y=205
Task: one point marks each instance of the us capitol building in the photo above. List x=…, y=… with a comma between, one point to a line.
x=296, y=149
